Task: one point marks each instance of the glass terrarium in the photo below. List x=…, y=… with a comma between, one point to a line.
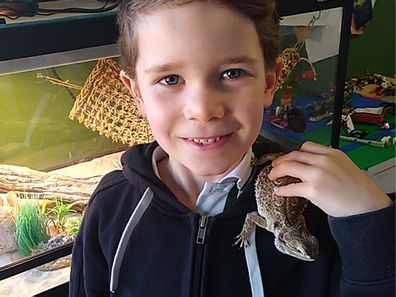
x=308, y=101
x=65, y=120
x=55, y=147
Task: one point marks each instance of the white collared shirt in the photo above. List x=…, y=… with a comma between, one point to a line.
x=212, y=199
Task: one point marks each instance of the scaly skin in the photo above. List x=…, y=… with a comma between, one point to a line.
x=280, y=215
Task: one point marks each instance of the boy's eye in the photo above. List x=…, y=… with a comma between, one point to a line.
x=232, y=73
x=170, y=80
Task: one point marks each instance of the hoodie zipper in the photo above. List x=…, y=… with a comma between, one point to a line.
x=200, y=241
x=203, y=223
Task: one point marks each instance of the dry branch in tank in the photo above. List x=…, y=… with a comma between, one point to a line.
x=29, y=181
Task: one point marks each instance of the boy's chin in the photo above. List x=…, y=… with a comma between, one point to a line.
x=211, y=170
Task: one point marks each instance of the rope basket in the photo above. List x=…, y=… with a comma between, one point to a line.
x=105, y=105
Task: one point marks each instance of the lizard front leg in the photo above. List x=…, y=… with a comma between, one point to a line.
x=251, y=220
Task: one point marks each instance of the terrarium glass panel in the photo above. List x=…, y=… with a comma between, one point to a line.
x=34, y=124
x=304, y=102
x=35, y=281
x=56, y=144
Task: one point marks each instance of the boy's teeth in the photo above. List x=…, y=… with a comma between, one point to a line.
x=206, y=141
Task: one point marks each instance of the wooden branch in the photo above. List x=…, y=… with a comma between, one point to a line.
x=29, y=181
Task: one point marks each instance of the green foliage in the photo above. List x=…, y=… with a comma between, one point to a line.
x=58, y=214
x=72, y=225
x=30, y=226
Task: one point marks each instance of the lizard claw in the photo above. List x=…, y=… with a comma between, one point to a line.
x=241, y=241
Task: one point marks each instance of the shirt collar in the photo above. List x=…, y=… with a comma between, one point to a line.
x=240, y=173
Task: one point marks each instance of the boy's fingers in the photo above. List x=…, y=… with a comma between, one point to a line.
x=298, y=156
x=315, y=148
x=307, y=153
x=310, y=153
x=292, y=168
x=298, y=190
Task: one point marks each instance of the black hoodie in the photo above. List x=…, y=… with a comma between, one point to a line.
x=138, y=240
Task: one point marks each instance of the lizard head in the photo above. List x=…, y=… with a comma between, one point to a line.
x=298, y=243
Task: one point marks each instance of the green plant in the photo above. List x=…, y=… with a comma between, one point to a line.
x=58, y=214
x=30, y=225
x=72, y=225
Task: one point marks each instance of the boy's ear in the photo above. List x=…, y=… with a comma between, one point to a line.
x=271, y=79
x=133, y=88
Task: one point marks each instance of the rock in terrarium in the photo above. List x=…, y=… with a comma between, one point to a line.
x=7, y=231
x=52, y=243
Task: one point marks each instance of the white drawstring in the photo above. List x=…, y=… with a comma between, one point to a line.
x=126, y=234
x=253, y=266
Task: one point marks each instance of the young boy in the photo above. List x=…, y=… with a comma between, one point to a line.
x=202, y=73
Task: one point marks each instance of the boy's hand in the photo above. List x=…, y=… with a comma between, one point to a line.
x=330, y=180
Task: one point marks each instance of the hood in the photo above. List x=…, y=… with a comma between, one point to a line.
x=138, y=158
x=138, y=170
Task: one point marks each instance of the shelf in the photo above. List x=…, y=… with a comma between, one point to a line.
x=42, y=35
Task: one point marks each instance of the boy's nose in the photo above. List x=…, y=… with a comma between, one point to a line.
x=204, y=104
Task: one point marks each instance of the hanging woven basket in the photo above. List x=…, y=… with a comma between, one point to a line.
x=105, y=105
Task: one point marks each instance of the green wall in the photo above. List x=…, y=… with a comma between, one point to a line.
x=374, y=51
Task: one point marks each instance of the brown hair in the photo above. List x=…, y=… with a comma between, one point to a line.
x=261, y=12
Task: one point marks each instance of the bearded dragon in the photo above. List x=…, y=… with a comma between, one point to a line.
x=280, y=215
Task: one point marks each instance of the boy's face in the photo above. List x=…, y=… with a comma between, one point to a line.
x=202, y=84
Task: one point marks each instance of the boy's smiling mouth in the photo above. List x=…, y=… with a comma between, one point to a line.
x=205, y=141
x=208, y=142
